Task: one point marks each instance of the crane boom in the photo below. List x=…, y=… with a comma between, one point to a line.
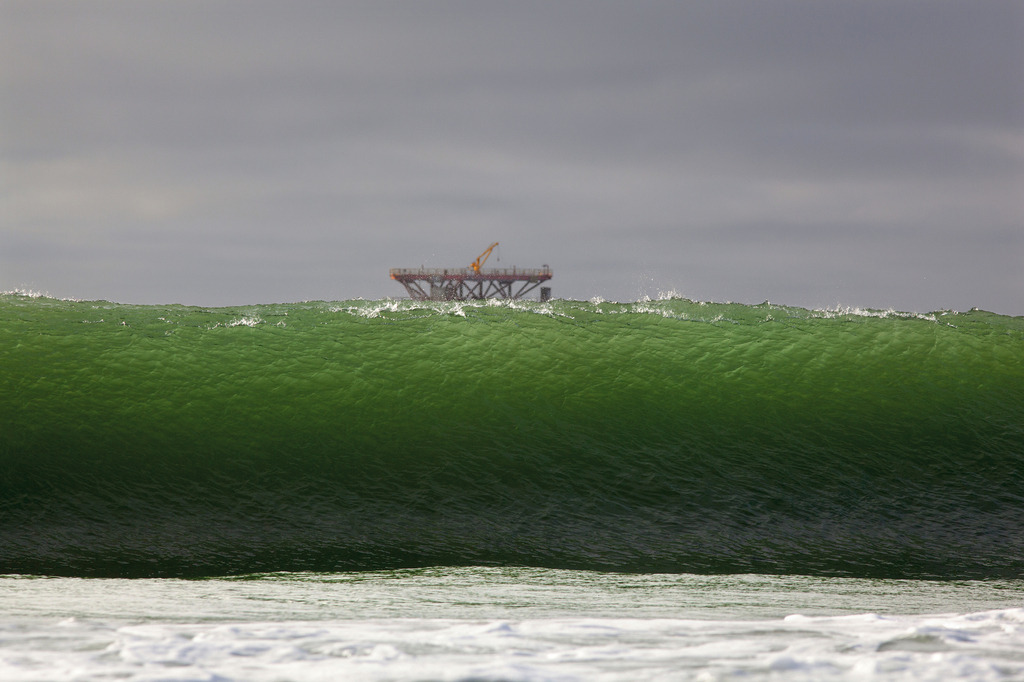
x=482, y=258
x=473, y=283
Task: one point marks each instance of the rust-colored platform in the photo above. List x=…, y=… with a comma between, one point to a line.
x=460, y=284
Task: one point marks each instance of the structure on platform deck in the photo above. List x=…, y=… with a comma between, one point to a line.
x=460, y=284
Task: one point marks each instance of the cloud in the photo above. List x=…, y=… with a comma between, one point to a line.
x=730, y=148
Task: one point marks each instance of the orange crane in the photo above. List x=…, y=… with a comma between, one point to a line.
x=472, y=283
x=482, y=258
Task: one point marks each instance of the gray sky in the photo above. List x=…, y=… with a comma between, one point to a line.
x=863, y=153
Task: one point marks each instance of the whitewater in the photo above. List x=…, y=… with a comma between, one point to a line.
x=495, y=490
x=508, y=624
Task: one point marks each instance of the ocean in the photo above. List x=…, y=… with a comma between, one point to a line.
x=495, y=490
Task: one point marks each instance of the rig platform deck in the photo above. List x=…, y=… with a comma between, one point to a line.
x=460, y=284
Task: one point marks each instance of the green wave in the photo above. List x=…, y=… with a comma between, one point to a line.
x=664, y=435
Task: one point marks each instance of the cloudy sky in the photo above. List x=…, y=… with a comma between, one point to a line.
x=863, y=153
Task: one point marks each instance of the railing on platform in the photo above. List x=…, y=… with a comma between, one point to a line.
x=490, y=273
x=460, y=284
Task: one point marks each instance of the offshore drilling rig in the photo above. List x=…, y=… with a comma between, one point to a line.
x=460, y=284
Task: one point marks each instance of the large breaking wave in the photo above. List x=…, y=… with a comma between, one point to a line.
x=653, y=436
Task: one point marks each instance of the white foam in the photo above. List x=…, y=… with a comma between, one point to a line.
x=507, y=624
x=663, y=306
x=32, y=293
x=979, y=646
x=671, y=295
x=408, y=308
x=846, y=311
x=244, y=321
x=27, y=293
x=250, y=321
